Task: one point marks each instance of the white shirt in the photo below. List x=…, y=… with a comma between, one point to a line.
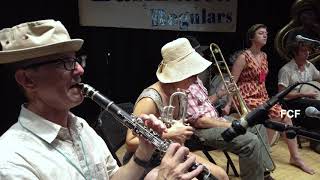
x=290, y=74
x=29, y=150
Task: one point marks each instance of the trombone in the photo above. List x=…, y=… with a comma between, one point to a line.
x=234, y=92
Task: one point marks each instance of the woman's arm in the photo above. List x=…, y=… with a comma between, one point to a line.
x=144, y=106
x=294, y=95
x=178, y=132
x=205, y=122
x=237, y=69
x=132, y=141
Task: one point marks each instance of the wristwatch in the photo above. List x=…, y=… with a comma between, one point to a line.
x=140, y=162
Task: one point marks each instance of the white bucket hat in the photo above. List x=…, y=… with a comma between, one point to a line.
x=35, y=39
x=180, y=61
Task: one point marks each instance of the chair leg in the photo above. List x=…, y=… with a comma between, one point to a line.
x=206, y=153
x=299, y=142
x=229, y=162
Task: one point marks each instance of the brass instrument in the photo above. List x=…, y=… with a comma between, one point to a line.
x=297, y=25
x=234, y=92
x=230, y=86
x=167, y=112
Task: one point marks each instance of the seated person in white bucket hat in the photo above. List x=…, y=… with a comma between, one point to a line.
x=48, y=141
x=152, y=101
x=179, y=69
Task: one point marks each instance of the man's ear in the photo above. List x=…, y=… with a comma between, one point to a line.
x=24, y=79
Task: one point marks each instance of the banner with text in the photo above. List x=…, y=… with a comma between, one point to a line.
x=178, y=15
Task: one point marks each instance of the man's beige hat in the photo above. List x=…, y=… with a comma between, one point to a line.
x=35, y=39
x=180, y=61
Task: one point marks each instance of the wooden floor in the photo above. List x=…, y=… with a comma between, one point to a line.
x=280, y=155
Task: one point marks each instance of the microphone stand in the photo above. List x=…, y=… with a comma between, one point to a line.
x=259, y=115
x=291, y=131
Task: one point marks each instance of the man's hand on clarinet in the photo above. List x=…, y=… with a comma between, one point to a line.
x=146, y=149
x=176, y=163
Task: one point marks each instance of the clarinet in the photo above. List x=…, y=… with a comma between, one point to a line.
x=136, y=125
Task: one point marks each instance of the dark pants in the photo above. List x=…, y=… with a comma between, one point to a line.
x=307, y=123
x=301, y=104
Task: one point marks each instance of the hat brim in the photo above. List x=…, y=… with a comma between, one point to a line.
x=191, y=65
x=14, y=56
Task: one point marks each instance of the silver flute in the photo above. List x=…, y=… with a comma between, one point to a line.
x=136, y=125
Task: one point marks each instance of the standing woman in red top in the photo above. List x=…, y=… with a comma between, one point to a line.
x=249, y=71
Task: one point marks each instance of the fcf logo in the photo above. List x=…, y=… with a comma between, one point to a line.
x=290, y=113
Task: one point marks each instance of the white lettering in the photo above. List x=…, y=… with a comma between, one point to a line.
x=290, y=113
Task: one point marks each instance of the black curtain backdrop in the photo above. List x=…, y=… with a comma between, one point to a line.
x=122, y=62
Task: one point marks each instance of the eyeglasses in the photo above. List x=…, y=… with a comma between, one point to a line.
x=69, y=63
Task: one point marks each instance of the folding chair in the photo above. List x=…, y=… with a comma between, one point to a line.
x=112, y=131
x=197, y=145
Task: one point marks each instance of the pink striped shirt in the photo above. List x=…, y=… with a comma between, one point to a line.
x=199, y=104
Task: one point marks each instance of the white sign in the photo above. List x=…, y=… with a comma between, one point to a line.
x=178, y=15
